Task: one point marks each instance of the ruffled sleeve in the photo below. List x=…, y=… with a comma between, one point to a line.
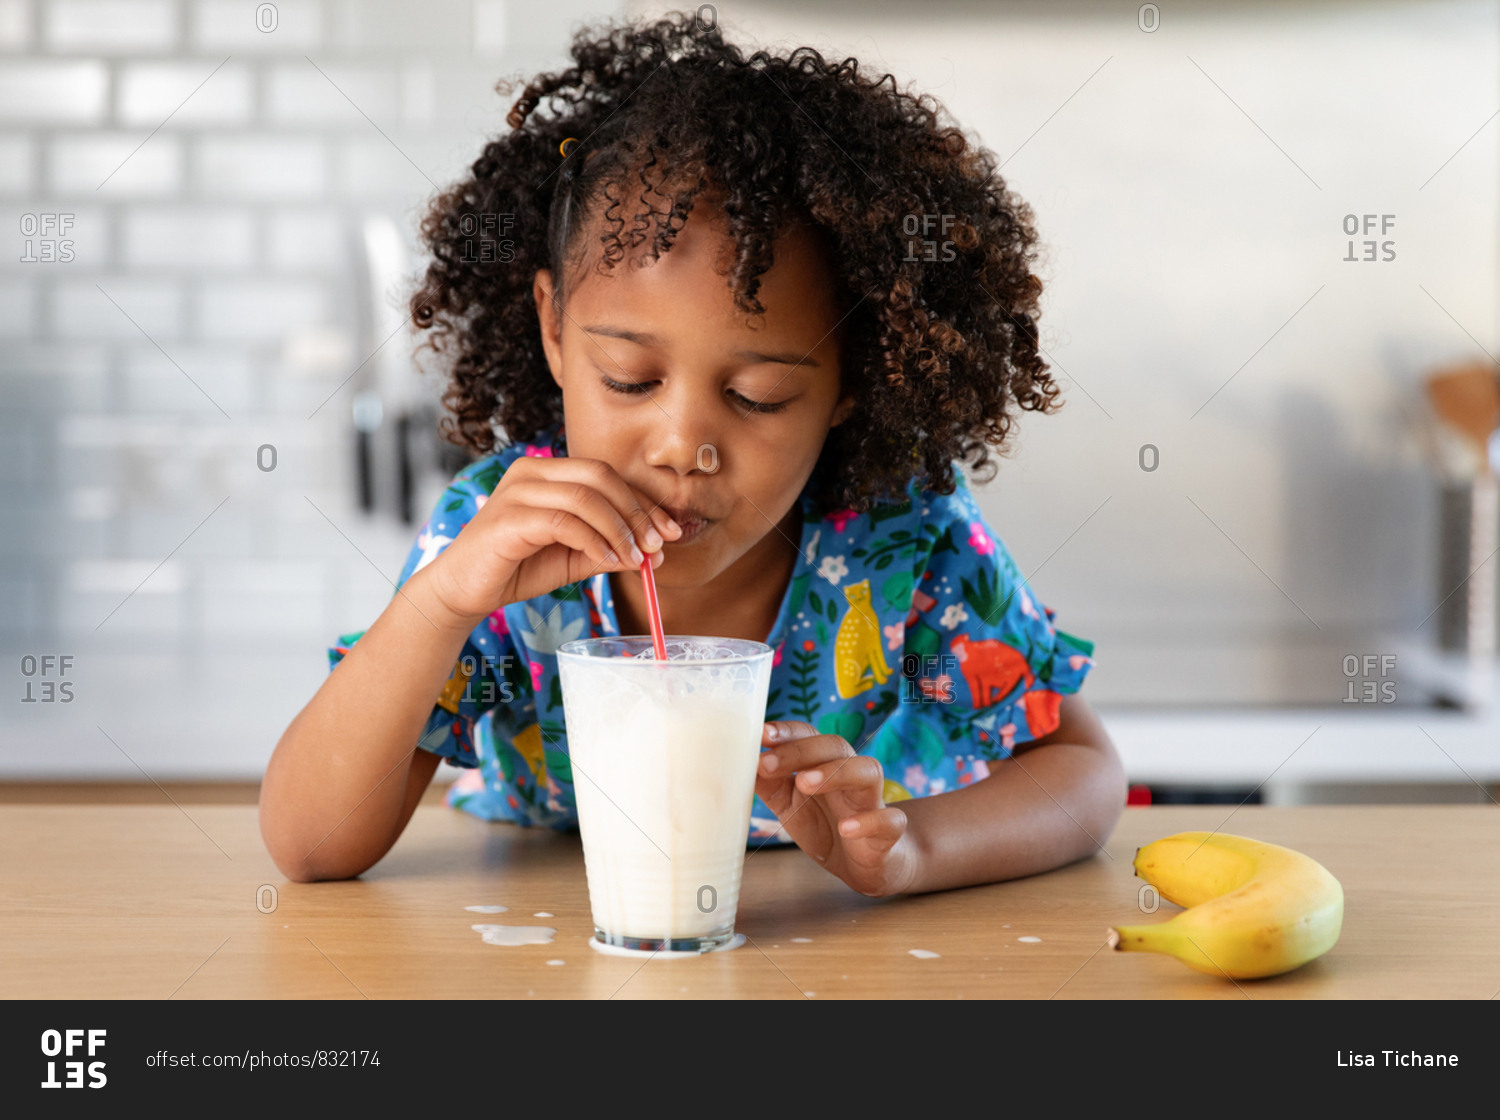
x=986, y=650
x=487, y=675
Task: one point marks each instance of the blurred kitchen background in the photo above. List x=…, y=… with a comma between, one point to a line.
x=1271, y=260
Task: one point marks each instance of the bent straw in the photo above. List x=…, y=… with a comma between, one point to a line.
x=653, y=609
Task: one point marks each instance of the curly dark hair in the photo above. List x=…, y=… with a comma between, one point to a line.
x=929, y=248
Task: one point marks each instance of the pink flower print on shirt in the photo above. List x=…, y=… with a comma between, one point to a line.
x=498, y=624
x=1008, y=736
x=840, y=518
x=536, y=676
x=979, y=540
x=1077, y=661
x=895, y=635
x=776, y=657
x=538, y=452
x=480, y=499
x=915, y=779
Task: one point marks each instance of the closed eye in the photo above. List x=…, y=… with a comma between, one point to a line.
x=632, y=388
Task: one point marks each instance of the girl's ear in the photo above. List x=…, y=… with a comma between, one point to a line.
x=551, y=322
x=845, y=406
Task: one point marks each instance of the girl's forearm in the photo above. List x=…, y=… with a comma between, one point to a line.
x=1038, y=810
x=338, y=788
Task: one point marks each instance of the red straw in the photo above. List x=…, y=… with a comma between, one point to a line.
x=658, y=638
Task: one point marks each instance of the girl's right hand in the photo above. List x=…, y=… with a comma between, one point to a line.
x=550, y=521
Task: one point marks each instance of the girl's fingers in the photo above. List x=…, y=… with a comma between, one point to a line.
x=540, y=526
x=859, y=777
x=582, y=501
x=645, y=524
x=878, y=827
x=803, y=754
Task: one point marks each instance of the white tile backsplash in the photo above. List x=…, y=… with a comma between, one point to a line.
x=1176, y=240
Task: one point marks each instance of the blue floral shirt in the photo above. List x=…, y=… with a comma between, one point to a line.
x=960, y=662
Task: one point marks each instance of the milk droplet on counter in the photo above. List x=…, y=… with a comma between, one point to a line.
x=488, y=909
x=557, y=962
x=924, y=954
x=803, y=940
x=543, y=914
x=515, y=935
x=1030, y=940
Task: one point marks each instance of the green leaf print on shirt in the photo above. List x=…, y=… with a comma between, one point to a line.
x=923, y=640
x=897, y=590
x=799, y=592
x=558, y=764
x=804, y=694
x=487, y=477
x=986, y=598
x=846, y=725
x=889, y=748
x=886, y=512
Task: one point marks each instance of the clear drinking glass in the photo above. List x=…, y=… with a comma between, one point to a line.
x=664, y=757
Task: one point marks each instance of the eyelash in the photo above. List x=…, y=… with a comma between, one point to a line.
x=634, y=388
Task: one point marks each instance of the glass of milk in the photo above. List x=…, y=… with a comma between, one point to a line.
x=664, y=757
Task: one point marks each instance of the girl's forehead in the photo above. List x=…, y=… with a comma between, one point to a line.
x=689, y=287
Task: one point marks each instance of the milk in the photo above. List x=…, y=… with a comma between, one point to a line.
x=664, y=759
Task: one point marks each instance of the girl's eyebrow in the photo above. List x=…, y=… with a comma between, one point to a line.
x=753, y=357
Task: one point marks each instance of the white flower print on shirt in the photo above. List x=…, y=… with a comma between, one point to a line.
x=833, y=569
x=953, y=616
x=431, y=544
x=812, y=545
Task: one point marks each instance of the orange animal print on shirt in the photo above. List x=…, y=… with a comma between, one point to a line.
x=991, y=668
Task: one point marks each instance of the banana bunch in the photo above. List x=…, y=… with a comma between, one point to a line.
x=1252, y=909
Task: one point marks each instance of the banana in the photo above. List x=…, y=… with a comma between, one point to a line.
x=1252, y=909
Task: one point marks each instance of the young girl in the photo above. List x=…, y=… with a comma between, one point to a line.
x=739, y=314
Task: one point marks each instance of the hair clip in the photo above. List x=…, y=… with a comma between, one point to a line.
x=564, y=149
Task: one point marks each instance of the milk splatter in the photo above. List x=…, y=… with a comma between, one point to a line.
x=543, y=914
x=488, y=909
x=515, y=935
x=803, y=940
x=557, y=962
x=1030, y=940
x=924, y=954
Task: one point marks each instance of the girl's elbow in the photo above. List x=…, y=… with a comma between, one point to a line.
x=1110, y=786
x=301, y=858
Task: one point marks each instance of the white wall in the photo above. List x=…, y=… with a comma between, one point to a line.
x=1179, y=240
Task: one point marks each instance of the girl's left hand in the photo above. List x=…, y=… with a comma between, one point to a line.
x=830, y=800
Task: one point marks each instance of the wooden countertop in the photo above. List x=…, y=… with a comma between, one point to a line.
x=141, y=902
